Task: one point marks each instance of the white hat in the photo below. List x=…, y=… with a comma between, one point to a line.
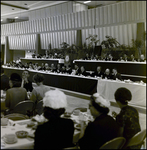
x=55, y=99
x=101, y=101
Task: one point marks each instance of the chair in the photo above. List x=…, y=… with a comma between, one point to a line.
x=24, y=107
x=137, y=139
x=39, y=107
x=116, y=143
x=16, y=116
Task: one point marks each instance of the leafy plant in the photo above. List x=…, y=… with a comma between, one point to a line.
x=110, y=42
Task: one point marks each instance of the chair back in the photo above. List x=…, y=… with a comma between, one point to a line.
x=137, y=139
x=24, y=107
x=116, y=143
x=16, y=116
x=39, y=107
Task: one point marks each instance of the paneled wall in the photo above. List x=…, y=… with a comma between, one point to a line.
x=22, y=42
x=118, y=20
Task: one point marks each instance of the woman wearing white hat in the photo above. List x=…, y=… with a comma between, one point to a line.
x=56, y=133
x=102, y=129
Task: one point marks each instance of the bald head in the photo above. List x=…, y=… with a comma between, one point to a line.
x=107, y=71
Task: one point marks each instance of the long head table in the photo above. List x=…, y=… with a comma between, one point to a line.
x=135, y=71
x=89, y=85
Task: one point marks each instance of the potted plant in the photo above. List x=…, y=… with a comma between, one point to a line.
x=92, y=43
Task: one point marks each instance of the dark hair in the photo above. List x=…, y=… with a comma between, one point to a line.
x=123, y=95
x=38, y=78
x=104, y=110
x=16, y=79
x=53, y=113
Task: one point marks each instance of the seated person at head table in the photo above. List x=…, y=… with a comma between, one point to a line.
x=58, y=69
x=77, y=70
x=83, y=71
x=4, y=81
x=132, y=58
x=39, y=91
x=36, y=66
x=16, y=93
x=42, y=67
x=68, y=69
x=98, y=72
x=52, y=68
x=107, y=74
x=63, y=70
x=102, y=129
x=87, y=57
x=47, y=67
x=57, y=132
x=121, y=59
x=26, y=83
x=125, y=58
x=115, y=74
x=142, y=58
x=110, y=57
x=128, y=118
x=26, y=65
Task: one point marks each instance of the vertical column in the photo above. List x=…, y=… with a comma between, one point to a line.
x=37, y=44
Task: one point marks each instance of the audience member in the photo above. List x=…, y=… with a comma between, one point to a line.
x=115, y=74
x=107, y=74
x=16, y=93
x=4, y=81
x=102, y=129
x=98, y=72
x=83, y=71
x=128, y=118
x=57, y=132
x=121, y=59
x=26, y=83
x=39, y=91
x=63, y=70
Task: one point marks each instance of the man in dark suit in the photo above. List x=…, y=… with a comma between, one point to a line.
x=107, y=74
x=115, y=74
x=83, y=71
x=98, y=72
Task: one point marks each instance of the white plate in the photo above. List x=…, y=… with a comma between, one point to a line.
x=8, y=142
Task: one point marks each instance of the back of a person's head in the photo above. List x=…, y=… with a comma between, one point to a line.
x=15, y=79
x=54, y=103
x=100, y=104
x=38, y=78
x=123, y=95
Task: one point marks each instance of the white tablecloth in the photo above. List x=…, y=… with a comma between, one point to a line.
x=107, y=88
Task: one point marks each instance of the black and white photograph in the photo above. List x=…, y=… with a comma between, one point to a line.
x=73, y=75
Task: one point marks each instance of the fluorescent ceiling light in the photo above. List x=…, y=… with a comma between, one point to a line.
x=87, y=2
x=16, y=17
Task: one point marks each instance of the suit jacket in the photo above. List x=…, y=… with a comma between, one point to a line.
x=84, y=73
x=97, y=74
x=103, y=129
x=4, y=82
x=118, y=76
x=28, y=86
x=107, y=76
x=54, y=134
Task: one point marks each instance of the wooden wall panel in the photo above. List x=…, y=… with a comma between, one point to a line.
x=114, y=13
x=49, y=24
x=76, y=20
x=64, y=8
x=60, y=22
x=93, y=22
x=72, y=20
x=82, y=19
x=97, y=16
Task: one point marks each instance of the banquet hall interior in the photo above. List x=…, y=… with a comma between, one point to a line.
x=78, y=47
